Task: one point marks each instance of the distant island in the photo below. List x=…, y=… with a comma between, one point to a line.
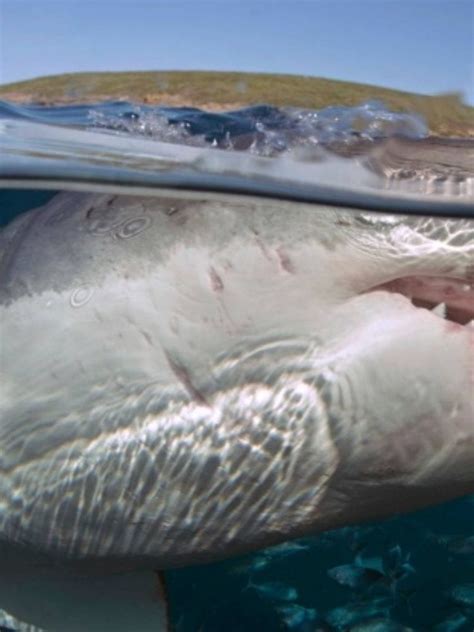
x=446, y=115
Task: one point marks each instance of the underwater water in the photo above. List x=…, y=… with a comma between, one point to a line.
x=420, y=560
x=410, y=572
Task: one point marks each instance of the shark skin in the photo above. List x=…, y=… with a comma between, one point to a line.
x=192, y=376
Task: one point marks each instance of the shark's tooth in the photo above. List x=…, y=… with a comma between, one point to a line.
x=440, y=310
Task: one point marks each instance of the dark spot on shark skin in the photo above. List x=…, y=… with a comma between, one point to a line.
x=175, y=210
x=216, y=281
x=284, y=260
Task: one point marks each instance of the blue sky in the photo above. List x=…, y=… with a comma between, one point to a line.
x=417, y=45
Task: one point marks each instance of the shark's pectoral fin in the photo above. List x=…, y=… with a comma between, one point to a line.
x=64, y=602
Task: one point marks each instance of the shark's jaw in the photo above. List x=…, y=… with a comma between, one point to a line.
x=234, y=374
x=449, y=298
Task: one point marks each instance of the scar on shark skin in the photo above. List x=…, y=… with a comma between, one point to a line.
x=285, y=261
x=261, y=245
x=216, y=281
x=183, y=376
x=147, y=337
x=93, y=208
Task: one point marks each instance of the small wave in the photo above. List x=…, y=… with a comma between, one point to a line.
x=262, y=129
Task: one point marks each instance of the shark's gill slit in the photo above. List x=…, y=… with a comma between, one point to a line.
x=448, y=298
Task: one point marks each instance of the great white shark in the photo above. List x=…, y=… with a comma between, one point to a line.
x=190, y=376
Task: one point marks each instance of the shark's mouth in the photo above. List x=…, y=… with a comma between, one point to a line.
x=451, y=299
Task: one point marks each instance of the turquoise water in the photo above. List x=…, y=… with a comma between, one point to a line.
x=214, y=597
x=410, y=572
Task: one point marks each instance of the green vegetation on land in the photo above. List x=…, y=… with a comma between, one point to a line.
x=445, y=114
